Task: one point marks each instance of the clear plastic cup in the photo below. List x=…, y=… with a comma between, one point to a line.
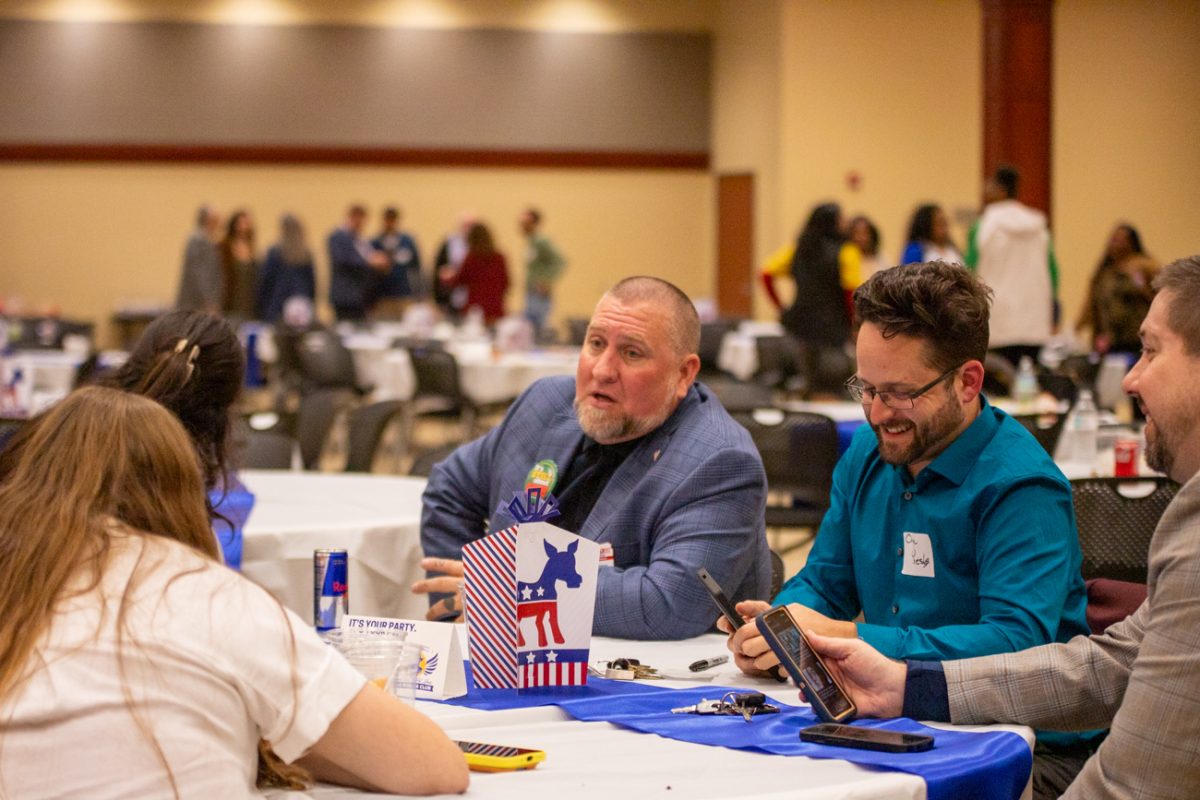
x=380, y=655
x=407, y=673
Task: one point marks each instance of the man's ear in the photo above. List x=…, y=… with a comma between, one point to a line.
x=971, y=377
x=688, y=370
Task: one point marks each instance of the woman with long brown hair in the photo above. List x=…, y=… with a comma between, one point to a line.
x=132, y=664
x=239, y=265
x=483, y=274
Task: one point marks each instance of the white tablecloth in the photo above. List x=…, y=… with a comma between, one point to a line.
x=376, y=519
x=601, y=761
x=739, y=349
x=485, y=377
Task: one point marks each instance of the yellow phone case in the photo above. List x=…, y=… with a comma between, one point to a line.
x=482, y=763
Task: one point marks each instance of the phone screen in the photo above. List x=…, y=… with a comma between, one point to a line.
x=818, y=679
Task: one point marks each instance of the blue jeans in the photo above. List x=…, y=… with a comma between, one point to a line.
x=537, y=309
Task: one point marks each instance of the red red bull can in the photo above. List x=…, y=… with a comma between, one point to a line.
x=1125, y=458
x=331, y=595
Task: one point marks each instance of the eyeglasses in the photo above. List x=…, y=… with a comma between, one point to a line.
x=900, y=400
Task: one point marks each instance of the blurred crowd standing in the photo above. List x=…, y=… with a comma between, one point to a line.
x=1009, y=247
x=370, y=277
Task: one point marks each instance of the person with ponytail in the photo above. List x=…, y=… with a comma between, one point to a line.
x=133, y=664
x=193, y=364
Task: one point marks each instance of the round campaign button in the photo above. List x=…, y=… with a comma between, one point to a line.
x=544, y=474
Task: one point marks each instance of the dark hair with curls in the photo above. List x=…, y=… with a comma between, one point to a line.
x=191, y=363
x=920, y=229
x=939, y=303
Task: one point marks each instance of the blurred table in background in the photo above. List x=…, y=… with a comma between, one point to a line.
x=376, y=519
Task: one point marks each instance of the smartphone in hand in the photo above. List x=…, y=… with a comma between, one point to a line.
x=720, y=599
x=823, y=692
x=499, y=758
x=866, y=738
x=726, y=607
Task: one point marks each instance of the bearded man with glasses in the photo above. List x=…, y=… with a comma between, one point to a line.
x=951, y=532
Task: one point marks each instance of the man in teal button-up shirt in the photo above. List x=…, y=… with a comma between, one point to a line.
x=993, y=517
x=950, y=529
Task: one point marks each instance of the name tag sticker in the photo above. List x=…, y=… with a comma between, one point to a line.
x=918, y=555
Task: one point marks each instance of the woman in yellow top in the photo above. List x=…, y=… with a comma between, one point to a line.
x=826, y=270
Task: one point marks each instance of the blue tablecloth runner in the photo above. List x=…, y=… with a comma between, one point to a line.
x=990, y=766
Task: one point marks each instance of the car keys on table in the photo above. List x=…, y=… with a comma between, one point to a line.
x=630, y=669
x=703, y=707
x=745, y=705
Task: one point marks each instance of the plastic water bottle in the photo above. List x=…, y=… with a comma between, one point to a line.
x=1025, y=387
x=1084, y=426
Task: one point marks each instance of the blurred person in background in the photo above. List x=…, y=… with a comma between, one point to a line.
x=403, y=281
x=355, y=268
x=1119, y=293
x=865, y=236
x=201, y=282
x=482, y=277
x=1009, y=248
x=544, y=265
x=826, y=269
x=239, y=266
x=126, y=640
x=929, y=237
x=287, y=272
x=450, y=254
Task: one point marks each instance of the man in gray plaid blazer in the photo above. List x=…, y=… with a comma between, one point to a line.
x=641, y=458
x=1141, y=677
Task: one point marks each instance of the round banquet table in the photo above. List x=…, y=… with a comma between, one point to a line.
x=602, y=761
x=485, y=376
x=376, y=519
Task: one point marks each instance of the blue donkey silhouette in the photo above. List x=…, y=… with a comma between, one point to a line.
x=540, y=598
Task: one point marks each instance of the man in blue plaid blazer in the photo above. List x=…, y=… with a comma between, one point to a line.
x=646, y=460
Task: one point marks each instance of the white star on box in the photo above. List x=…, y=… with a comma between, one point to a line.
x=551, y=656
x=530, y=658
x=526, y=593
x=541, y=591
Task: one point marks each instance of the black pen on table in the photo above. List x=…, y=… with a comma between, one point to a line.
x=707, y=663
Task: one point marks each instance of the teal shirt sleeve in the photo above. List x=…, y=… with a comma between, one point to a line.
x=1025, y=574
x=826, y=583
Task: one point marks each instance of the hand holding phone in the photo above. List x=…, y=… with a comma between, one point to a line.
x=726, y=607
x=499, y=758
x=866, y=738
x=827, y=697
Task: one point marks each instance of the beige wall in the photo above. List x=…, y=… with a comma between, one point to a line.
x=746, y=98
x=805, y=91
x=1126, y=125
x=892, y=91
x=89, y=237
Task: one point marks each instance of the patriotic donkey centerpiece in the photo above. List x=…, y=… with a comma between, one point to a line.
x=530, y=594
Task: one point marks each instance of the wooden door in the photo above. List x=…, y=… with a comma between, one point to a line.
x=735, y=244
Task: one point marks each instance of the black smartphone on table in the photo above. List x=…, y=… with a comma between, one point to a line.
x=866, y=738
x=827, y=697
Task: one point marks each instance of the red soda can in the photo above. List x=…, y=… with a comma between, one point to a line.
x=1125, y=458
x=331, y=597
